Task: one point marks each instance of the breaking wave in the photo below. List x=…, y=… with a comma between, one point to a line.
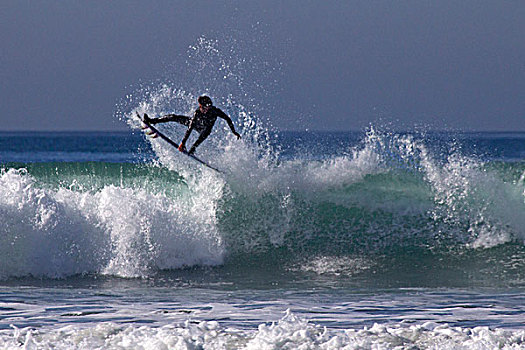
x=389, y=196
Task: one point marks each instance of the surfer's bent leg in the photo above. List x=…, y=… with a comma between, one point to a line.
x=181, y=119
x=203, y=135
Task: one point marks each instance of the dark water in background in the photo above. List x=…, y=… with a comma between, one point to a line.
x=345, y=229
x=130, y=147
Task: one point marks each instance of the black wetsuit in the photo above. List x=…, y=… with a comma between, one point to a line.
x=201, y=122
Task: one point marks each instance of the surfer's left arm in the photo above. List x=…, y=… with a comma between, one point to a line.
x=230, y=123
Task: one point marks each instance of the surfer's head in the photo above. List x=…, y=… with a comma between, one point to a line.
x=205, y=101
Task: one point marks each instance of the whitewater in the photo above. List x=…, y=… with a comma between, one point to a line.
x=373, y=239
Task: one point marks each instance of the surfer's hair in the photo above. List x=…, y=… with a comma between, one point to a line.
x=205, y=101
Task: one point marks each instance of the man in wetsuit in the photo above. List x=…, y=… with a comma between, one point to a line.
x=202, y=121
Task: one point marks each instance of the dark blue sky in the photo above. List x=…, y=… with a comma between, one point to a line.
x=335, y=65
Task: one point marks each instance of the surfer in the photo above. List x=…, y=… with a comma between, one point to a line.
x=202, y=121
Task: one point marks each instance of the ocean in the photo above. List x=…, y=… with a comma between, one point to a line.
x=376, y=239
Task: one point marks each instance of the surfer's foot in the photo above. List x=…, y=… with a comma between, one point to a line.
x=191, y=151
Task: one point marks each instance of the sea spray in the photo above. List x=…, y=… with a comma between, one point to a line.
x=468, y=197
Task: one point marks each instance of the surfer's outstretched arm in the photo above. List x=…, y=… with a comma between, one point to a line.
x=181, y=119
x=230, y=123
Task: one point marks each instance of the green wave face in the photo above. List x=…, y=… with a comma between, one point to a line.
x=132, y=219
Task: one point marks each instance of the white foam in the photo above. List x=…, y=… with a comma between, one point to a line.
x=291, y=332
x=126, y=232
